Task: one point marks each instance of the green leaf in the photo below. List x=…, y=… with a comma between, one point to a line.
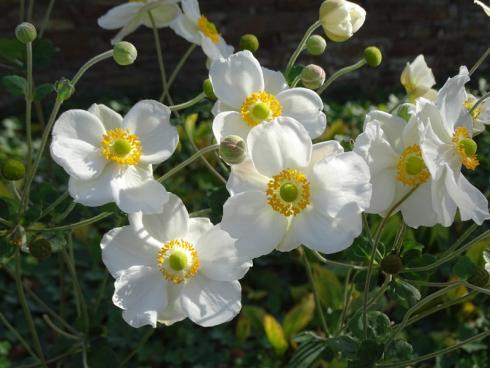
x=345, y=345
x=464, y=268
x=360, y=280
x=101, y=355
x=299, y=316
x=15, y=85
x=370, y=352
x=243, y=328
x=399, y=350
x=42, y=91
x=403, y=292
x=275, y=334
x=310, y=348
x=329, y=288
x=378, y=326
x=360, y=251
x=294, y=72
x=11, y=50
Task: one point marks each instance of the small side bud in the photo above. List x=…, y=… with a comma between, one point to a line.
x=373, y=56
x=208, y=90
x=18, y=237
x=40, y=249
x=232, y=149
x=480, y=278
x=13, y=170
x=249, y=42
x=25, y=32
x=124, y=53
x=313, y=76
x=391, y=264
x=64, y=88
x=316, y=45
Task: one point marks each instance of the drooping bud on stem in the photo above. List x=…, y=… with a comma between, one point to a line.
x=373, y=56
x=232, y=149
x=125, y=53
x=313, y=76
x=316, y=45
x=64, y=88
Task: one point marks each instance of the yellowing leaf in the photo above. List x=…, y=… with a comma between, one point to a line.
x=299, y=316
x=275, y=334
x=328, y=286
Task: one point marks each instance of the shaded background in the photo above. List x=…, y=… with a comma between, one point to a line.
x=448, y=32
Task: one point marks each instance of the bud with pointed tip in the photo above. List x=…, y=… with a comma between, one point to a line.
x=124, y=53
x=249, y=42
x=25, y=32
x=316, y=45
x=64, y=89
x=313, y=76
x=232, y=149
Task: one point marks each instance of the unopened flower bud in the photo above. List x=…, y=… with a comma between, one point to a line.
x=373, y=56
x=64, y=88
x=208, y=90
x=313, y=76
x=125, y=53
x=232, y=149
x=40, y=249
x=13, y=170
x=340, y=19
x=480, y=278
x=25, y=32
x=249, y=42
x=18, y=237
x=316, y=45
x=391, y=264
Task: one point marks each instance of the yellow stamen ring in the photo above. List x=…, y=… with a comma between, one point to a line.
x=208, y=29
x=120, y=146
x=411, y=167
x=259, y=107
x=178, y=261
x=466, y=148
x=288, y=192
x=469, y=106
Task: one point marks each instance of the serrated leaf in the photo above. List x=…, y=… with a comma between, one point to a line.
x=299, y=316
x=275, y=334
x=403, y=292
x=15, y=85
x=378, y=326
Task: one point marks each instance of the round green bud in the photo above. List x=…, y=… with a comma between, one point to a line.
x=13, y=170
x=480, y=278
x=289, y=192
x=40, y=249
x=414, y=165
x=316, y=45
x=260, y=111
x=178, y=260
x=469, y=146
x=249, y=42
x=207, y=88
x=64, y=88
x=373, y=56
x=124, y=53
x=391, y=264
x=313, y=76
x=232, y=149
x=121, y=147
x=25, y=32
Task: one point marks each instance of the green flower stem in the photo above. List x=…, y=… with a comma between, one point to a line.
x=89, y=64
x=47, y=15
x=29, y=97
x=27, y=311
x=336, y=263
x=377, y=238
x=88, y=221
x=401, y=102
x=158, y=48
x=400, y=236
x=348, y=289
x=140, y=344
x=70, y=352
x=18, y=336
x=301, y=46
x=185, y=163
x=201, y=96
x=22, y=9
x=476, y=288
x=448, y=256
x=5, y=222
x=318, y=303
x=479, y=62
x=480, y=100
x=65, y=213
x=59, y=330
x=411, y=362
x=53, y=205
x=176, y=71
x=30, y=10
x=339, y=73
x=296, y=81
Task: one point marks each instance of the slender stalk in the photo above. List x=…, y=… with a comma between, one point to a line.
x=201, y=96
x=30, y=11
x=22, y=10
x=347, y=296
x=133, y=352
x=88, y=221
x=55, y=359
x=52, y=206
x=296, y=81
x=480, y=101
x=101, y=292
x=176, y=71
x=401, y=102
x=315, y=292
x=47, y=15
x=27, y=311
x=185, y=163
x=66, y=212
x=59, y=330
x=479, y=62
x=158, y=47
x=336, y=263
x=18, y=336
x=400, y=236
x=301, y=46
x=29, y=98
x=89, y=64
x=339, y=73
x=476, y=288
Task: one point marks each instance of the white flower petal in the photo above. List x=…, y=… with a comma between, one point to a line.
x=198, y=226
x=119, y=16
x=274, y=82
x=289, y=242
x=191, y=9
x=141, y=292
x=128, y=28
x=305, y=106
x=391, y=126
x=150, y=121
x=108, y=117
x=250, y=219
x=245, y=177
x=210, y=303
x=215, y=50
x=163, y=14
x=278, y=145
x=325, y=149
x=384, y=189
x=236, y=77
x=220, y=107
x=417, y=209
x=186, y=29
x=94, y=192
x=174, y=311
x=79, y=124
x=442, y=202
x=230, y=123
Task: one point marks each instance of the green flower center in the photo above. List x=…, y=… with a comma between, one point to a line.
x=469, y=146
x=414, y=165
x=178, y=260
x=121, y=147
x=289, y=192
x=260, y=111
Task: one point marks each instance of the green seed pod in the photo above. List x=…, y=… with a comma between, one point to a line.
x=25, y=32
x=313, y=76
x=64, y=88
x=232, y=149
x=479, y=278
x=208, y=90
x=391, y=264
x=40, y=249
x=373, y=56
x=316, y=45
x=13, y=170
x=125, y=53
x=249, y=42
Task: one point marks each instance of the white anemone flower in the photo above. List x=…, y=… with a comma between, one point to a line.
x=418, y=80
x=391, y=147
x=169, y=267
x=479, y=114
x=291, y=192
x=197, y=29
x=340, y=19
x=129, y=16
x=109, y=159
x=446, y=131
x=485, y=8
x=249, y=95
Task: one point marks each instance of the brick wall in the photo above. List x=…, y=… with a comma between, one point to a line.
x=448, y=32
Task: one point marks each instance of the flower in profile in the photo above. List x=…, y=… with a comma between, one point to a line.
x=196, y=28
x=418, y=79
x=249, y=95
x=480, y=114
x=129, y=16
x=109, y=159
x=340, y=19
x=291, y=192
x=169, y=267
x=391, y=147
x=485, y=8
x=446, y=131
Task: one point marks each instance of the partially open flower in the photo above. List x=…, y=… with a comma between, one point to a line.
x=418, y=79
x=340, y=19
